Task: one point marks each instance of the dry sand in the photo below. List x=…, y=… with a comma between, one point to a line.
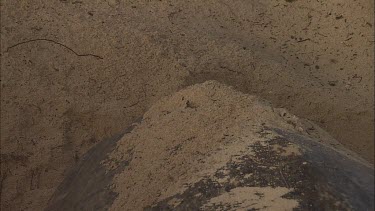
x=75, y=72
x=242, y=199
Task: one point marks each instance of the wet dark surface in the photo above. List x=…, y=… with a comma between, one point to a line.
x=322, y=178
x=268, y=168
x=87, y=187
x=349, y=179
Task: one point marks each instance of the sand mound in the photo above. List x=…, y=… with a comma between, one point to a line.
x=213, y=148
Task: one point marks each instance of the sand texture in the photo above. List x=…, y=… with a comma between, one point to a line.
x=209, y=147
x=76, y=72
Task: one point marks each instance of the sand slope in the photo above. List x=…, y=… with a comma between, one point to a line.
x=209, y=147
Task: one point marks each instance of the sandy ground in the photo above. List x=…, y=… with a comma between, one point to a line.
x=209, y=147
x=75, y=72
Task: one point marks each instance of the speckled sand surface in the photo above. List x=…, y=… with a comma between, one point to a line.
x=76, y=72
